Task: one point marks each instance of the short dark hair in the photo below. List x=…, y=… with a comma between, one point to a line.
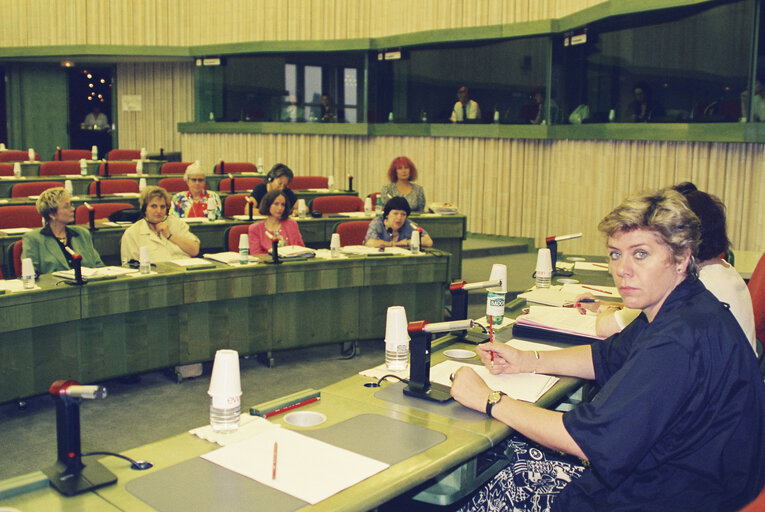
x=279, y=170
x=396, y=203
x=268, y=200
x=711, y=212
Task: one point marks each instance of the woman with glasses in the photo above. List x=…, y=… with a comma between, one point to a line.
x=47, y=246
x=197, y=199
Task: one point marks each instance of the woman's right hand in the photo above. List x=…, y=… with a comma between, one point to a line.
x=583, y=307
x=506, y=359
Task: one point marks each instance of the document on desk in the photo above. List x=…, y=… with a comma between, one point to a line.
x=563, y=320
x=552, y=296
x=95, y=273
x=306, y=468
x=605, y=292
x=590, y=265
x=528, y=387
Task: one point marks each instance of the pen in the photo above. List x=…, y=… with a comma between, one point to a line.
x=580, y=301
x=596, y=290
x=599, y=265
x=273, y=472
x=491, y=336
x=562, y=237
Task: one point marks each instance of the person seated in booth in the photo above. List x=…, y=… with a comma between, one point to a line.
x=194, y=202
x=96, y=120
x=166, y=236
x=327, y=111
x=465, y=110
x=717, y=275
x=644, y=109
x=277, y=208
x=394, y=229
x=46, y=246
x=401, y=174
x=678, y=422
x=277, y=179
x=758, y=105
x=539, y=94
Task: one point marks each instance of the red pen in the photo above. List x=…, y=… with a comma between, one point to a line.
x=290, y=407
x=599, y=265
x=596, y=289
x=491, y=336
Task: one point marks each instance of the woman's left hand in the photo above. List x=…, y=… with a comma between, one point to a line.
x=469, y=389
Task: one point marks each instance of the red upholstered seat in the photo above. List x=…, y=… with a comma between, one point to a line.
x=236, y=204
x=117, y=168
x=233, y=234
x=72, y=154
x=16, y=250
x=59, y=168
x=240, y=184
x=174, y=167
x=173, y=185
x=6, y=169
x=373, y=197
x=101, y=211
x=337, y=204
x=33, y=188
x=20, y=216
x=234, y=167
x=124, y=154
x=16, y=156
x=304, y=182
x=353, y=232
x=114, y=186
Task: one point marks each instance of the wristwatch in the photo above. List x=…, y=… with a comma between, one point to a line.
x=494, y=398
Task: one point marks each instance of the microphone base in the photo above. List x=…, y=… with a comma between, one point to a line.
x=75, y=283
x=475, y=338
x=434, y=393
x=71, y=482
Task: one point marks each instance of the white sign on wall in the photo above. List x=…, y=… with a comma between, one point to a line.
x=131, y=102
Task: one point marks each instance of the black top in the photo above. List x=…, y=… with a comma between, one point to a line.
x=261, y=190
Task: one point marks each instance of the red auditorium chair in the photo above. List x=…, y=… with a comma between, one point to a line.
x=59, y=168
x=124, y=154
x=15, y=252
x=72, y=154
x=117, y=168
x=373, y=197
x=173, y=185
x=6, y=169
x=16, y=156
x=236, y=204
x=33, y=188
x=240, y=184
x=174, y=167
x=102, y=211
x=337, y=204
x=20, y=216
x=114, y=186
x=232, y=236
x=353, y=232
x=234, y=167
x=305, y=182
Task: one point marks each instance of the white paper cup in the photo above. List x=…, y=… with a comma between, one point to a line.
x=395, y=326
x=225, y=381
x=244, y=241
x=68, y=186
x=334, y=242
x=143, y=256
x=368, y=204
x=17, y=169
x=544, y=262
x=499, y=273
x=141, y=184
x=31, y=154
x=27, y=268
x=302, y=208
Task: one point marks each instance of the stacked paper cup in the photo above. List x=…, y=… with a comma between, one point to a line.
x=396, y=339
x=544, y=268
x=225, y=392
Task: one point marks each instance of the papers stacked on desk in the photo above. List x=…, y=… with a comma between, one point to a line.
x=443, y=208
x=14, y=231
x=363, y=250
x=306, y=468
x=230, y=258
x=15, y=286
x=560, y=320
x=96, y=273
x=193, y=263
x=552, y=296
x=528, y=387
x=363, y=215
x=295, y=251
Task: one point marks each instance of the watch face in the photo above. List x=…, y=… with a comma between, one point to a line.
x=494, y=397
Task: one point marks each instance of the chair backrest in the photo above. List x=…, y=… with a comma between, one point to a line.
x=757, y=290
x=72, y=154
x=373, y=197
x=353, y=232
x=117, y=168
x=33, y=188
x=234, y=167
x=16, y=156
x=113, y=186
x=236, y=204
x=758, y=505
x=16, y=250
x=337, y=204
x=59, y=168
x=173, y=185
x=6, y=169
x=232, y=236
x=124, y=154
x=20, y=216
x=101, y=211
x=245, y=183
x=174, y=167
x=304, y=182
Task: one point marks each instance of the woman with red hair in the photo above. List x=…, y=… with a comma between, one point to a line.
x=401, y=174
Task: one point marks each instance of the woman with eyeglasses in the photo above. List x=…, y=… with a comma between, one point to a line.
x=195, y=201
x=47, y=246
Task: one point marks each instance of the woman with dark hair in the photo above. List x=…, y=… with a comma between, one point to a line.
x=394, y=229
x=277, y=179
x=679, y=419
x=644, y=109
x=401, y=174
x=277, y=226
x=718, y=276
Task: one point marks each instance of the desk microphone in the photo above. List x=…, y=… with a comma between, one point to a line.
x=230, y=177
x=98, y=185
x=91, y=216
x=250, y=205
x=76, y=265
x=220, y=168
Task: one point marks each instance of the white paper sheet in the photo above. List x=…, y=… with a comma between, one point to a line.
x=15, y=286
x=589, y=265
x=528, y=387
x=610, y=292
x=307, y=469
x=191, y=262
x=249, y=426
x=565, y=320
x=90, y=273
x=230, y=258
x=15, y=231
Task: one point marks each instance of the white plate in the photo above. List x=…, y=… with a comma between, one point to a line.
x=567, y=281
x=305, y=419
x=458, y=353
x=575, y=258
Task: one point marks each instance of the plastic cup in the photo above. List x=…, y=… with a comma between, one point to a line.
x=544, y=268
x=499, y=273
x=368, y=205
x=141, y=184
x=244, y=241
x=334, y=242
x=396, y=339
x=302, y=207
x=68, y=186
x=225, y=381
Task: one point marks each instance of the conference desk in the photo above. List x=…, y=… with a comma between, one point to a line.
x=456, y=438
x=133, y=324
x=32, y=169
x=447, y=232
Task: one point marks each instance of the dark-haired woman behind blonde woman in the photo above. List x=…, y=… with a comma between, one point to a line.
x=401, y=174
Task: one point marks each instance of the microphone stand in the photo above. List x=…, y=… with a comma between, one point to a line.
x=459, y=291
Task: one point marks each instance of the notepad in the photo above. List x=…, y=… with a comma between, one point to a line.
x=193, y=263
x=552, y=296
x=295, y=251
x=561, y=320
x=230, y=258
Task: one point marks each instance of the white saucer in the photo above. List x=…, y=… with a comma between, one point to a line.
x=458, y=353
x=575, y=258
x=567, y=280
